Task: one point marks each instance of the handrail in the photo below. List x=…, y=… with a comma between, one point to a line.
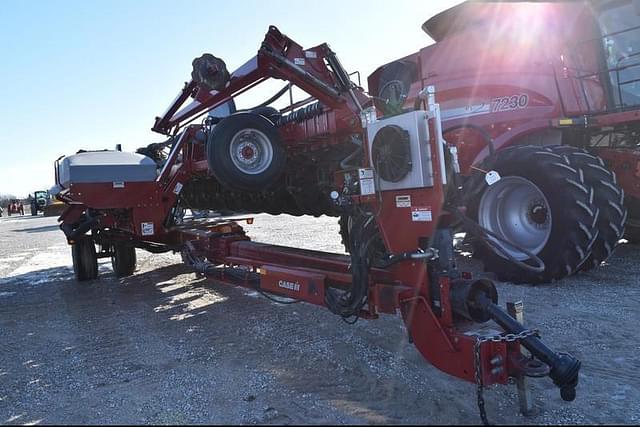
x=605, y=71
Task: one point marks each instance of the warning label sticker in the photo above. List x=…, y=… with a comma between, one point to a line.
x=403, y=201
x=147, y=228
x=367, y=187
x=421, y=214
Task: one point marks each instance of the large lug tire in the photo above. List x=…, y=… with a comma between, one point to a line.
x=608, y=198
x=542, y=204
x=85, y=261
x=244, y=152
x=123, y=260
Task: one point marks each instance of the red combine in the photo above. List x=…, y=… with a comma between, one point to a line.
x=546, y=94
x=393, y=180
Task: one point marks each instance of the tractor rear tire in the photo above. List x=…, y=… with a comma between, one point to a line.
x=244, y=152
x=608, y=198
x=540, y=203
x=85, y=261
x=123, y=260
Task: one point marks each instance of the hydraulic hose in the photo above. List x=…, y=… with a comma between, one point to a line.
x=269, y=101
x=348, y=304
x=485, y=135
x=484, y=234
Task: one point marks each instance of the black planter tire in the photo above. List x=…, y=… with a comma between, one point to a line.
x=244, y=152
x=85, y=261
x=123, y=260
x=566, y=215
x=608, y=198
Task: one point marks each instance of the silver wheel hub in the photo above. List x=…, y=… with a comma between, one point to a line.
x=251, y=151
x=515, y=209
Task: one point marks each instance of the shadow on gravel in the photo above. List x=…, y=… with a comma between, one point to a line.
x=367, y=371
x=39, y=277
x=42, y=229
x=15, y=218
x=332, y=361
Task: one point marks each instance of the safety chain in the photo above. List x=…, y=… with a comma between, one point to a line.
x=478, y=366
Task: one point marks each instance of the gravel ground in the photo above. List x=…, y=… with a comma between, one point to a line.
x=163, y=347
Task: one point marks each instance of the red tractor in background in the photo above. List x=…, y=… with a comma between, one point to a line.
x=15, y=207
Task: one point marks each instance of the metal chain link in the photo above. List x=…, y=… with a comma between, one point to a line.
x=478, y=365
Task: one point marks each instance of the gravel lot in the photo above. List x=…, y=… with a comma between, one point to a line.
x=163, y=347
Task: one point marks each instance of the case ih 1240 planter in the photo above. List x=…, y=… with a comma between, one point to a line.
x=393, y=180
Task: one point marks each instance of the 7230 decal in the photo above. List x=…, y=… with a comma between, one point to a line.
x=509, y=103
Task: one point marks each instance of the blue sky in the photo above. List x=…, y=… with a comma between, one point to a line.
x=92, y=74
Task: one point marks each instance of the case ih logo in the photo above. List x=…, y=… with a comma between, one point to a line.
x=292, y=286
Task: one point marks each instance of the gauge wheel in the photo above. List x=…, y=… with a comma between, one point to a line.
x=123, y=259
x=85, y=260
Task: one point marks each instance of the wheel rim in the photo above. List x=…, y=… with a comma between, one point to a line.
x=251, y=151
x=515, y=209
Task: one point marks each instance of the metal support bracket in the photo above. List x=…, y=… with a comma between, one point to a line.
x=525, y=399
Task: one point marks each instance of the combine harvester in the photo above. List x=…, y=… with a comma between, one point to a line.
x=392, y=178
x=548, y=96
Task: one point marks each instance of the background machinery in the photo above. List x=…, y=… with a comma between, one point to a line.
x=392, y=178
x=15, y=207
x=38, y=201
x=42, y=201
